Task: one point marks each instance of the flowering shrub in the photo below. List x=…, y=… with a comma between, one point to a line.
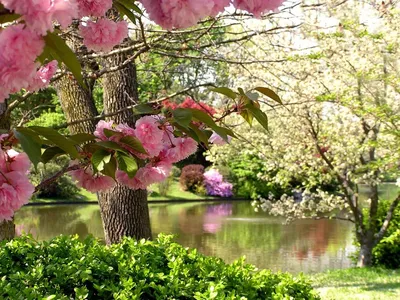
x=215, y=184
x=190, y=103
x=66, y=268
x=192, y=177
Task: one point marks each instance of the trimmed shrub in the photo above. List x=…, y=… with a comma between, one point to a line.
x=67, y=268
x=192, y=177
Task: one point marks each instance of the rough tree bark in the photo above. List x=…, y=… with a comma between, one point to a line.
x=7, y=228
x=124, y=211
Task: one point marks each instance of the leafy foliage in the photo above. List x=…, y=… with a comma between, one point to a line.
x=66, y=268
x=63, y=187
x=192, y=177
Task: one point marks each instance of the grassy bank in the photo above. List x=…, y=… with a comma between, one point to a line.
x=366, y=284
x=175, y=193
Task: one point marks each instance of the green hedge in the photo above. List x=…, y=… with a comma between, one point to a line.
x=67, y=268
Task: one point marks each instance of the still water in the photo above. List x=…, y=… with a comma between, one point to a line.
x=225, y=229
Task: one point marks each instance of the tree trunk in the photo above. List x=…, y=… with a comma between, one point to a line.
x=124, y=211
x=365, y=255
x=77, y=104
x=7, y=228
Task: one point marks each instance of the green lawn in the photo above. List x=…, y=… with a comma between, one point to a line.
x=175, y=193
x=356, y=283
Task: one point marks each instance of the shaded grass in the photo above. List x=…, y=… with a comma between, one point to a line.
x=175, y=193
x=358, y=283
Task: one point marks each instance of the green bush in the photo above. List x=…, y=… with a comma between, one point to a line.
x=387, y=252
x=62, y=188
x=66, y=268
x=176, y=172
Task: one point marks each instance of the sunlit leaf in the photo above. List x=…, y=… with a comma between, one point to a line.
x=100, y=158
x=182, y=116
x=269, y=93
x=133, y=143
x=225, y=91
x=29, y=144
x=127, y=164
x=51, y=153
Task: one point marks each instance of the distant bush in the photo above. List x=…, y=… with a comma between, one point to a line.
x=176, y=172
x=66, y=268
x=164, y=186
x=387, y=252
x=192, y=176
x=63, y=187
x=215, y=184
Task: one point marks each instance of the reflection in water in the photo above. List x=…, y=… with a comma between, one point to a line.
x=225, y=229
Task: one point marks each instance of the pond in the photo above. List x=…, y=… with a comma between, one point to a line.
x=227, y=229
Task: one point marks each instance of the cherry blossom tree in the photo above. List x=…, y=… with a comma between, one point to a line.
x=36, y=34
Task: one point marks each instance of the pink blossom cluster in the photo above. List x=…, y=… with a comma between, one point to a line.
x=15, y=187
x=186, y=13
x=22, y=43
x=104, y=34
x=161, y=146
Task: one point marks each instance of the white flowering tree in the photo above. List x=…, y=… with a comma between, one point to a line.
x=339, y=121
x=138, y=143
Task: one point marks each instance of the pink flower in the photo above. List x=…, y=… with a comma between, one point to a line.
x=148, y=133
x=7, y=196
x=43, y=76
x=216, y=139
x=258, y=7
x=145, y=176
x=95, y=8
x=178, y=13
x=24, y=188
x=219, y=6
x=19, y=49
x=125, y=129
x=183, y=148
x=100, y=129
x=15, y=191
x=104, y=34
x=39, y=15
x=92, y=182
x=18, y=161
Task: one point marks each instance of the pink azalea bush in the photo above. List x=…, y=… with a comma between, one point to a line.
x=15, y=187
x=215, y=185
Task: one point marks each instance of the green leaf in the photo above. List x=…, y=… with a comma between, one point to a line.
x=81, y=138
x=53, y=136
x=50, y=153
x=247, y=116
x=133, y=143
x=260, y=116
x=123, y=10
x=110, y=168
x=111, y=145
x=8, y=17
x=127, y=164
x=182, y=116
x=225, y=91
x=269, y=93
x=145, y=109
x=206, y=119
x=252, y=96
x=100, y=158
x=29, y=144
x=109, y=133
x=60, y=51
x=201, y=134
x=45, y=56
x=131, y=5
